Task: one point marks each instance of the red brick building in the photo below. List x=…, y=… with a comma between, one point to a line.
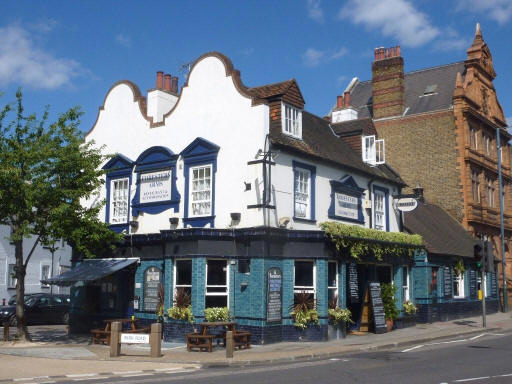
x=439, y=128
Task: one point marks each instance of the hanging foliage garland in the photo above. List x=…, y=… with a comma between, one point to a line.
x=380, y=243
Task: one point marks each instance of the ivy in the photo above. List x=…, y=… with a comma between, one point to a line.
x=380, y=243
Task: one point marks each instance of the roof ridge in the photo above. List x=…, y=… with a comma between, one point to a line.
x=436, y=67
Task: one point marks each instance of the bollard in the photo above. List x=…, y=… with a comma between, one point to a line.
x=155, y=340
x=115, y=339
x=6, y=331
x=229, y=344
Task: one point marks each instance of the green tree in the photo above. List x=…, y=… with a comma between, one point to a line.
x=46, y=171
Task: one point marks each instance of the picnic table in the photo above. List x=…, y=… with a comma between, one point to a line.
x=102, y=335
x=203, y=340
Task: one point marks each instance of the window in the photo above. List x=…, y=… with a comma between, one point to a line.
x=458, y=285
x=292, y=121
x=405, y=283
x=489, y=183
x=302, y=193
x=119, y=201
x=487, y=144
x=475, y=186
x=183, y=276
x=332, y=283
x=304, y=279
x=379, y=207
x=45, y=274
x=201, y=191
x=373, y=150
x=11, y=280
x=216, y=283
x=473, y=137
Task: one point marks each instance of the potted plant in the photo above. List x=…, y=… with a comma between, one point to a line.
x=217, y=314
x=459, y=268
x=339, y=318
x=304, y=315
x=409, y=310
x=388, y=291
x=182, y=308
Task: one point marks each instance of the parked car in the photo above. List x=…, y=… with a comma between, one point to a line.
x=40, y=308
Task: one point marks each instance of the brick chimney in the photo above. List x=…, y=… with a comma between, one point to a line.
x=159, y=80
x=388, y=83
x=163, y=97
x=344, y=110
x=167, y=84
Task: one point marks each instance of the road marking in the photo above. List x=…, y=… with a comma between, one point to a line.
x=82, y=375
x=413, y=348
x=477, y=336
x=126, y=372
x=447, y=342
x=91, y=378
x=505, y=375
x=472, y=379
x=138, y=374
x=168, y=369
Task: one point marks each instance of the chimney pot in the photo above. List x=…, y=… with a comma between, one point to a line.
x=346, y=97
x=339, y=102
x=167, y=82
x=418, y=193
x=174, y=86
x=159, y=80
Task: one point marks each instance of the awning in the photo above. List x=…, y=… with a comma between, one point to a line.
x=89, y=270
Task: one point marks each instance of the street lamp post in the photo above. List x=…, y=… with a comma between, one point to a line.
x=502, y=229
x=52, y=248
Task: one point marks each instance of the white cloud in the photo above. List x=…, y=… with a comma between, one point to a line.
x=450, y=40
x=315, y=11
x=123, y=40
x=23, y=63
x=498, y=10
x=314, y=57
x=395, y=18
x=44, y=25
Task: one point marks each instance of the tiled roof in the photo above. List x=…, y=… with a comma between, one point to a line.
x=359, y=126
x=415, y=84
x=442, y=234
x=270, y=90
x=319, y=142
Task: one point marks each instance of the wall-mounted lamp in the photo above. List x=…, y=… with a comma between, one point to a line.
x=134, y=225
x=247, y=186
x=235, y=216
x=174, y=221
x=244, y=284
x=283, y=221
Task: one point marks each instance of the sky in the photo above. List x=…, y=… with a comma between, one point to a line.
x=69, y=53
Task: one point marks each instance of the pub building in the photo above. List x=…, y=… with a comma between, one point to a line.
x=448, y=283
x=220, y=190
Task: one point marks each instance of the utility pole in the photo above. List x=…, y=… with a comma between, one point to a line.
x=482, y=279
x=502, y=229
x=52, y=248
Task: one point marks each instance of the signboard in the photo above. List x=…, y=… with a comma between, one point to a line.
x=155, y=186
x=379, y=317
x=134, y=338
x=494, y=285
x=346, y=206
x=448, y=282
x=353, y=283
x=152, y=280
x=406, y=204
x=274, y=297
x=472, y=284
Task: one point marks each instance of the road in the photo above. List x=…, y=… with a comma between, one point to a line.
x=481, y=359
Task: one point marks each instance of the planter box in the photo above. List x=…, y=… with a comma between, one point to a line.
x=311, y=333
x=337, y=331
x=405, y=322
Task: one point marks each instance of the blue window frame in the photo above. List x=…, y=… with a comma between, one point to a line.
x=346, y=200
x=304, y=176
x=200, y=166
x=380, y=208
x=118, y=185
x=156, y=181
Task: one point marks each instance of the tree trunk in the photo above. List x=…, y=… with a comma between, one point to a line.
x=20, y=273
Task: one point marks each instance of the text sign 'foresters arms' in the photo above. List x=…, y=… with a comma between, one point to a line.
x=346, y=206
x=155, y=186
x=134, y=338
x=406, y=204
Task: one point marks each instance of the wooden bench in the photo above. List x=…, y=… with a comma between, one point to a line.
x=100, y=336
x=242, y=339
x=200, y=341
x=138, y=330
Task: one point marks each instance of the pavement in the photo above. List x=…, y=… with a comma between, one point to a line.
x=53, y=354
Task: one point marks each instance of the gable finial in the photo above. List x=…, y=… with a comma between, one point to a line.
x=478, y=32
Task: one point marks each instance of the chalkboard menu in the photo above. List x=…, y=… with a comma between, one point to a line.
x=379, y=317
x=152, y=280
x=353, y=283
x=274, y=299
x=472, y=284
x=448, y=282
x=494, y=285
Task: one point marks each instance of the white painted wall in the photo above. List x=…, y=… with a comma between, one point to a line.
x=212, y=108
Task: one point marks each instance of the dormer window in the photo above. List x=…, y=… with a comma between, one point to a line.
x=291, y=120
x=373, y=150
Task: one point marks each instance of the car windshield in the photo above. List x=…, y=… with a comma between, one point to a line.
x=31, y=300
